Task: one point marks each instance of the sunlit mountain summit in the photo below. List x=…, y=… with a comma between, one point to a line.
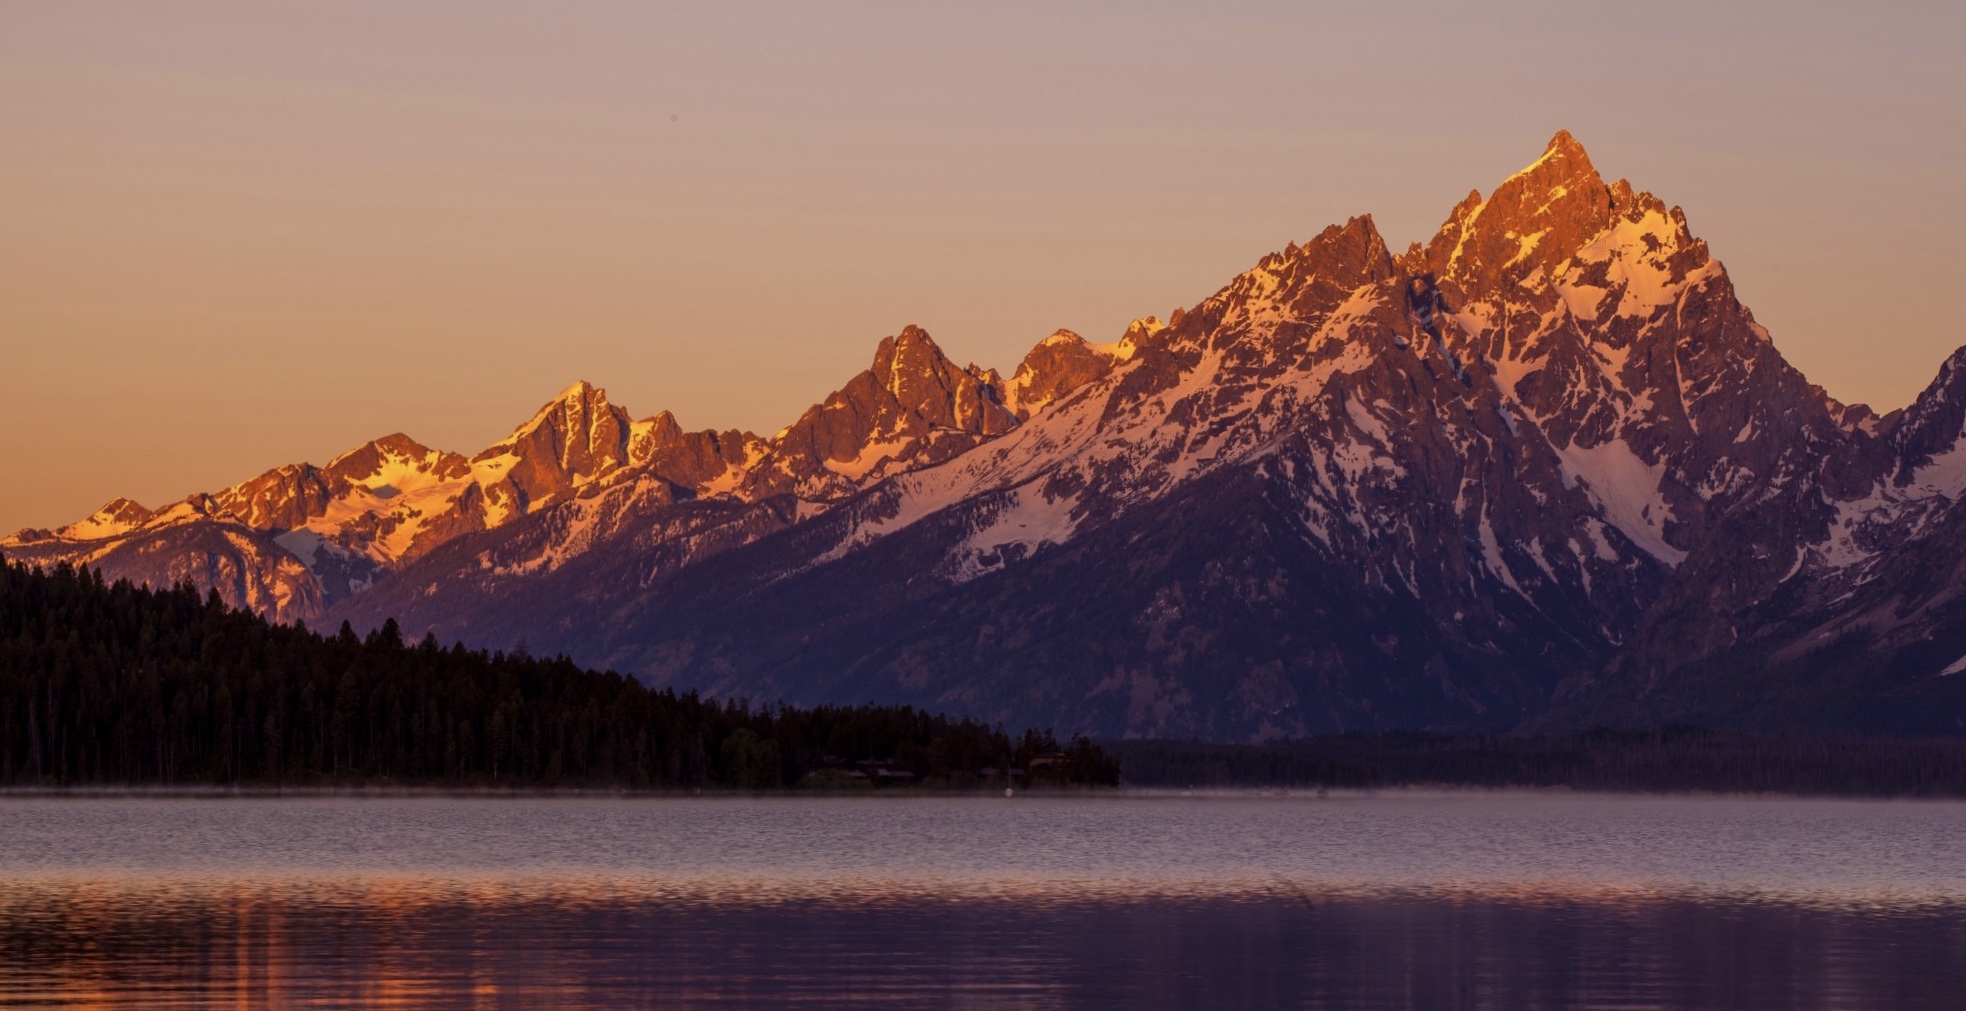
x=1576, y=484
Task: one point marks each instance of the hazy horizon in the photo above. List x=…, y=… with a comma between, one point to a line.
x=234, y=237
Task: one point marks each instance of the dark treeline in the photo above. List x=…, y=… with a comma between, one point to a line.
x=1676, y=759
x=121, y=685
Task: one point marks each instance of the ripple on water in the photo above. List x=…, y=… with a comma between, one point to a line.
x=1470, y=900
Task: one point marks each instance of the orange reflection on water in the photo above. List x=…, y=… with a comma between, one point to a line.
x=479, y=941
x=392, y=898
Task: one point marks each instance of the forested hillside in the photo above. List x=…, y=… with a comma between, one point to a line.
x=109, y=683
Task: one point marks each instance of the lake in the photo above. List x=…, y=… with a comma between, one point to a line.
x=1402, y=900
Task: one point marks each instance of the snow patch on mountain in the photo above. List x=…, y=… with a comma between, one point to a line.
x=1861, y=527
x=117, y=517
x=1017, y=524
x=1134, y=455
x=1626, y=491
x=1632, y=259
x=872, y=455
x=575, y=527
x=1491, y=552
x=1944, y=476
x=892, y=507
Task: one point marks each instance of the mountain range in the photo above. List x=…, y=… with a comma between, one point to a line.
x=1543, y=471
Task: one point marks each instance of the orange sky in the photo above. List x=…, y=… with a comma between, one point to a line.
x=239, y=235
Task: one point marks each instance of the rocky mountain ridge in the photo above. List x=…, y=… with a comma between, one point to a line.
x=299, y=538
x=1575, y=484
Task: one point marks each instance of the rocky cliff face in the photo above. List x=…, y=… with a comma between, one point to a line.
x=1543, y=469
x=1064, y=362
x=1835, y=601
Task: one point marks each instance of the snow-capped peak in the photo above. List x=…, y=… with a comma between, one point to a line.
x=118, y=516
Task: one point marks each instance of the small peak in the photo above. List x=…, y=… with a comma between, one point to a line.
x=665, y=427
x=367, y=456
x=1932, y=424
x=1951, y=379
x=1564, y=143
x=1059, y=364
x=1358, y=230
x=1138, y=332
x=118, y=515
x=908, y=359
x=1563, y=163
x=1534, y=220
x=401, y=445
x=1413, y=261
x=655, y=432
x=1354, y=249
x=581, y=391
x=912, y=346
x=582, y=398
x=120, y=506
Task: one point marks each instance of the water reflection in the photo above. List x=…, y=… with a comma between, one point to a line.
x=789, y=903
x=403, y=945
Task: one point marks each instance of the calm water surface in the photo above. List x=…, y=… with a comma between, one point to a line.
x=1397, y=901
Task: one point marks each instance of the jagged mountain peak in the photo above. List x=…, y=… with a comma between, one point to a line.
x=1293, y=284
x=576, y=409
x=1142, y=329
x=1557, y=268
x=581, y=391
x=393, y=444
x=1064, y=362
x=1935, y=422
x=580, y=399
x=652, y=434
x=1533, y=221
x=282, y=497
x=573, y=438
x=926, y=383
x=116, y=517
x=1563, y=165
x=1563, y=145
x=912, y=404
x=1353, y=251
x=909, y=363
x=387, y=460
x=1608, y=324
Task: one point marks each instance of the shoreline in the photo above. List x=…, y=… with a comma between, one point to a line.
x=1413, y=791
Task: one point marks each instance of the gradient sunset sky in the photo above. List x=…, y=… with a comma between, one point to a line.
x=239, y=235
